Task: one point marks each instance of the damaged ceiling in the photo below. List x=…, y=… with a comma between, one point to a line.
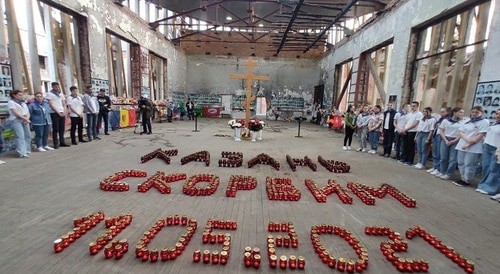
x=283, y=28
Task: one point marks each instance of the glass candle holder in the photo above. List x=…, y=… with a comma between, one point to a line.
x=224, y=257
x=256, y=261
x=154, y=255
x=58, y=246
x=197, y=256
x=301, y=263
x=292, y=262
x=206, y=256
x=283, y=262
x=273, y=261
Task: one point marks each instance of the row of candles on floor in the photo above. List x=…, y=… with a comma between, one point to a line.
x=209, y=237
x=239, y=182
x=277, y=188
x=231, y=159
x=160, y=154
x=201, y=156
x=235, y=159
x=334, y=166
x=281, y=189
x=252, y=256
x=294, y=162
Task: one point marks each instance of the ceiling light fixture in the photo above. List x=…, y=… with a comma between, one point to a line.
x=229, y=18
x=261, y=25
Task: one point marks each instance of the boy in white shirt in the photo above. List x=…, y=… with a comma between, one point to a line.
x=75, y=106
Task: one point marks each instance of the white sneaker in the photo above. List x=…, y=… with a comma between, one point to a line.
x=430, y=170
x=435, y=172
x=445, y=177
x=364, y=150
x=28, y=152
x=2, y=162
x=41, y=149
x=496, y=197
x=48, y=148
x=348, y=148
x=418, y=166
x=344, y=148
x=359, y=149
x=481, y=191
x=438, y=175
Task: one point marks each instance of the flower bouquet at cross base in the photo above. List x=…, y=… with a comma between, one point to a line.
x=236, y=125
x=255, y=125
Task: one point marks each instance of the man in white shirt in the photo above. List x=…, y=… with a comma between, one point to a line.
x=399, y=125
x=57, y=114
x=75, y=107
x=409, y=132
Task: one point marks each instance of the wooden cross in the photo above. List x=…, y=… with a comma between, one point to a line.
x=250, y=78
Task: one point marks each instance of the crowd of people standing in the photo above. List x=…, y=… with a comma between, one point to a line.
x=50, y=111
x=448, y=138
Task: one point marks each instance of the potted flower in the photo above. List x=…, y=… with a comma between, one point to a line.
x=236, y=128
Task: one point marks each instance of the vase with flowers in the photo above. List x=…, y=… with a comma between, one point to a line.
x=255, y=127
x=236, y=126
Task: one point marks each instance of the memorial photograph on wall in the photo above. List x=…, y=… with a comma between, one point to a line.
x=5, y=82
x=488, y=96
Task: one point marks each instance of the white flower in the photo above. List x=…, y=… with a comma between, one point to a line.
x=231, y=122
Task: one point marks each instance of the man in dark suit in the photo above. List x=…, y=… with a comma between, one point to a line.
x=388, y=126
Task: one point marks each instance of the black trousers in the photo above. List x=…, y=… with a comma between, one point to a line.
x=398, y=139
x=57, y=129
x=146, y=124
x=388, y=140
x=76, y=122
x=348, y=135
x=409, y=147
x=103, y=115
x=191, y=114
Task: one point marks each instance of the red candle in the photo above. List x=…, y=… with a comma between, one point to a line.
x=118, y=250
x=215, y=257
x=153, y=255
x=292, y=262
x=341, y=264
x=206, y=256
x=273, y=261
x=283, y=262
x=224, y=256
x=108, y=251
x=247, y=259
x=350, y=266
x=164, y=254
x=58, y=247
x=93, y=248
x=301, y=264
x=197, y=256
x=256, y=261
x=144, y=254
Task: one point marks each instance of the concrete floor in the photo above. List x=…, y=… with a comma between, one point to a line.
x=40, y=196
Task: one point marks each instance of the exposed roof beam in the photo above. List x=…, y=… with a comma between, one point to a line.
x=344, y=10
x=322, y=6
x=156, y=23
x=264, y=18
x=232, y=13
x=208, y=29
x=294, y=16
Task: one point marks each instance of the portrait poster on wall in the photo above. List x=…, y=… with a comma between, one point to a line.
x=488, y=96
x=98, y=84
x=5, y=82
